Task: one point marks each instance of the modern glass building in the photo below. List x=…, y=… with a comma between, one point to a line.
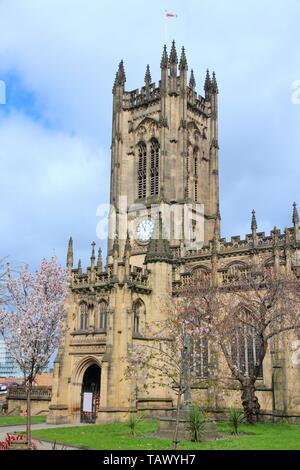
x=8, y=366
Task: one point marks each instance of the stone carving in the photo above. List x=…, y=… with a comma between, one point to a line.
x=147, y=128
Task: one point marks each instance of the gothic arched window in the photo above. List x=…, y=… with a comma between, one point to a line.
x=196, y=163
x=245, y=348
x=187, y=170
x=103, y=315
x=138, y=311
x=83, y=316
x=136, y=322
x=154, y=169
x=201, y=273
x=142, y=170
x=199, y=358
x=234, y=272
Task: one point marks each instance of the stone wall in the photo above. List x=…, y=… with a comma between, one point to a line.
x=40, y=400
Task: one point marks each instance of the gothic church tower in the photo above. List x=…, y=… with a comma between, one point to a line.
x=164, y=150
x=164, y=154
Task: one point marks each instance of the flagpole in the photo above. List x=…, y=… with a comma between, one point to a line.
x=165, y=21
x=167, y=16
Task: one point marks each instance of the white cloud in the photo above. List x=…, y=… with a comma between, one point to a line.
x=51, y=185
x=66, y=52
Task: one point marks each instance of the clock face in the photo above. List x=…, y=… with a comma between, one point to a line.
x=144, y=230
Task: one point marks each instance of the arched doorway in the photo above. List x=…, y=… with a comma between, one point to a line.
x=90, y=394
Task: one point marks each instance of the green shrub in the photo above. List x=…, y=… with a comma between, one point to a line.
x=235, y=419
x=196, y=423
x=133, y=420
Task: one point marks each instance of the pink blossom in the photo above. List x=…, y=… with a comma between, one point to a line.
x=32, y=329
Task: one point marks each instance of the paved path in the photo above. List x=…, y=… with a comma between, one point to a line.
x=41, y=445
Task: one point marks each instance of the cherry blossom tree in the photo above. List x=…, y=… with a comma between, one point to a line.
x=33, y=327
x=163, y=359
x=249, y=311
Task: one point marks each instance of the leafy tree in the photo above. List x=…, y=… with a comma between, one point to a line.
x=32, y=328
x=253, y=308
x=163, y=359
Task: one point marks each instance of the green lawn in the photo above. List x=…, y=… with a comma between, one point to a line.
x=116, y=437
x=14, y=420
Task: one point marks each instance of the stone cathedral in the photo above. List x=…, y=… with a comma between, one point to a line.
x=164, y=153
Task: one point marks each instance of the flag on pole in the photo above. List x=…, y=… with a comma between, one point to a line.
x=171, y=15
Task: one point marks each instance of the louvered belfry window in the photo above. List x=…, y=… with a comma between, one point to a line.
x=154, y=169
x=142, y=170
x=196, y=179
x=187, y=169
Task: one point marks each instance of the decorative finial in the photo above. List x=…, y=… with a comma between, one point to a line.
x=79, y=267
x=127, y=245
x=276, y=233
x=253, y=222
x=120, y=76
x=93, y=258
x=164, y=61
x=295, y=216
x=99, y=261
x=214, y=84
x=183, y=65
x=192, y=80
x=148, y=79
x=70, y=254
x=173, y=54
x=116, y=245
x=207, y=83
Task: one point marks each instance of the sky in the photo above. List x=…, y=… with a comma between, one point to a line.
x=58, y=60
